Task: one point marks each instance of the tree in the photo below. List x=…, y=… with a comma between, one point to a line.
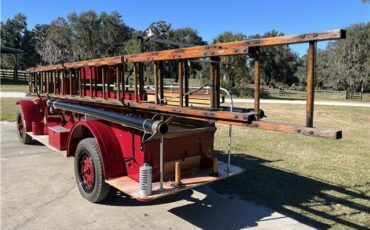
x=234, y=68
x=57, y=46
x=12, y=32
x=191, y=36
x=349, y=59
x=278, y=63
x=95, y=36
x=113, y=33
x=40, y=33
x=163, y=30
x=85, y=31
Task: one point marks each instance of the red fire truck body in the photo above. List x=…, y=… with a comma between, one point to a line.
x=141, y=140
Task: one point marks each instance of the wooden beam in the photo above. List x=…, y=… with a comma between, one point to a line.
x=47, y=81
x=181, y=83
x=239, y=119
x=95, y=81
x=123, y=81
x=77, y=74
x=136, y=77
x=46, y=68
x=297, y=129
x=63, y=81
x=215, y=83
x=310, y=83
x=232, y=48
x=257, y=80
x=103, y=81
x=219, y=49
x=156, y=82
x=161, y=82
x=91, y=84
x=70, y=83
x=216, y=66
x=186, y=82
x=141, y=81
x=84, y=80
x=118, y=81
x=95, y=62
x=108, y=74
x=53, y=75
x=30, y=82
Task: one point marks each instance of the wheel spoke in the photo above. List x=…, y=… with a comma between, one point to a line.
x=87, y=172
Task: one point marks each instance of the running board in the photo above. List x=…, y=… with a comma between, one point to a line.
x=44, y=139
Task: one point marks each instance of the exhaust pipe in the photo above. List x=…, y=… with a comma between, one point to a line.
x=146, y=125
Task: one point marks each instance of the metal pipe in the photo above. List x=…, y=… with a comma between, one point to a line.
x=146, y=125
x=230, y=131
x=161, y=150
x=181, y=84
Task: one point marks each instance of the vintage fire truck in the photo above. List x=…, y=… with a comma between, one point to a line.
x=150, y=141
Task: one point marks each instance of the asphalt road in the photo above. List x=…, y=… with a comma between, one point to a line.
x=38, y=191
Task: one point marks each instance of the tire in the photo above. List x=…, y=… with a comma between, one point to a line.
x=89, y=171
x=22, y=131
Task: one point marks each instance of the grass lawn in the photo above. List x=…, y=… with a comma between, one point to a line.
x=14, y=86
x=8, y=109
x=319, y=181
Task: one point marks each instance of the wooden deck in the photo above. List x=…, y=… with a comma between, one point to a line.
x=202, y=177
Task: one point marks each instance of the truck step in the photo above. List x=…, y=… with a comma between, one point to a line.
x=44, y=139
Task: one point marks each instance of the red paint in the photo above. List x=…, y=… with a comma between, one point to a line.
x=37, y=127
x=110, y=150
x=130, y=143
x=87, y=172
x=180, y=148
x=58, y=137
x=121, y=148
x=31, y=112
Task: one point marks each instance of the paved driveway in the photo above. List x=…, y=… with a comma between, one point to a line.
x=38, y=191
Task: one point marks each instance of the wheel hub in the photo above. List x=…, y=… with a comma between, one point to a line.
x=87, y=172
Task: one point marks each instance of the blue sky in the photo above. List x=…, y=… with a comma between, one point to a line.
x=208, y=17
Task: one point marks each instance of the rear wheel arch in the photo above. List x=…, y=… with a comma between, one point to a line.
x=109, y=148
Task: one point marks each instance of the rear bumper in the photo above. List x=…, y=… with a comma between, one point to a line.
x=202, y=177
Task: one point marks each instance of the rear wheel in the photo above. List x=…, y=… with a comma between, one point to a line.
x=21, y=130
x=89, y=171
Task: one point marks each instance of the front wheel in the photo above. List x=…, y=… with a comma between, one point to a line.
x=21, y=130
x=88, y=171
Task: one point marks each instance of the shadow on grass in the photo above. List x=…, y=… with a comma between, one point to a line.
x=264, y=186
x=277, y=189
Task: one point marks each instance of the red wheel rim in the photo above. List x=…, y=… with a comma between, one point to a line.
x=87, y=172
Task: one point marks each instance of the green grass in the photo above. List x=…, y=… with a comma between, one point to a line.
x=9, y=109
x=319, y=181
x=17, y=86
x=318, y=97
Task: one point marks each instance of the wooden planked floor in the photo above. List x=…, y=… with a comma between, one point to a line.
x=132, y=188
